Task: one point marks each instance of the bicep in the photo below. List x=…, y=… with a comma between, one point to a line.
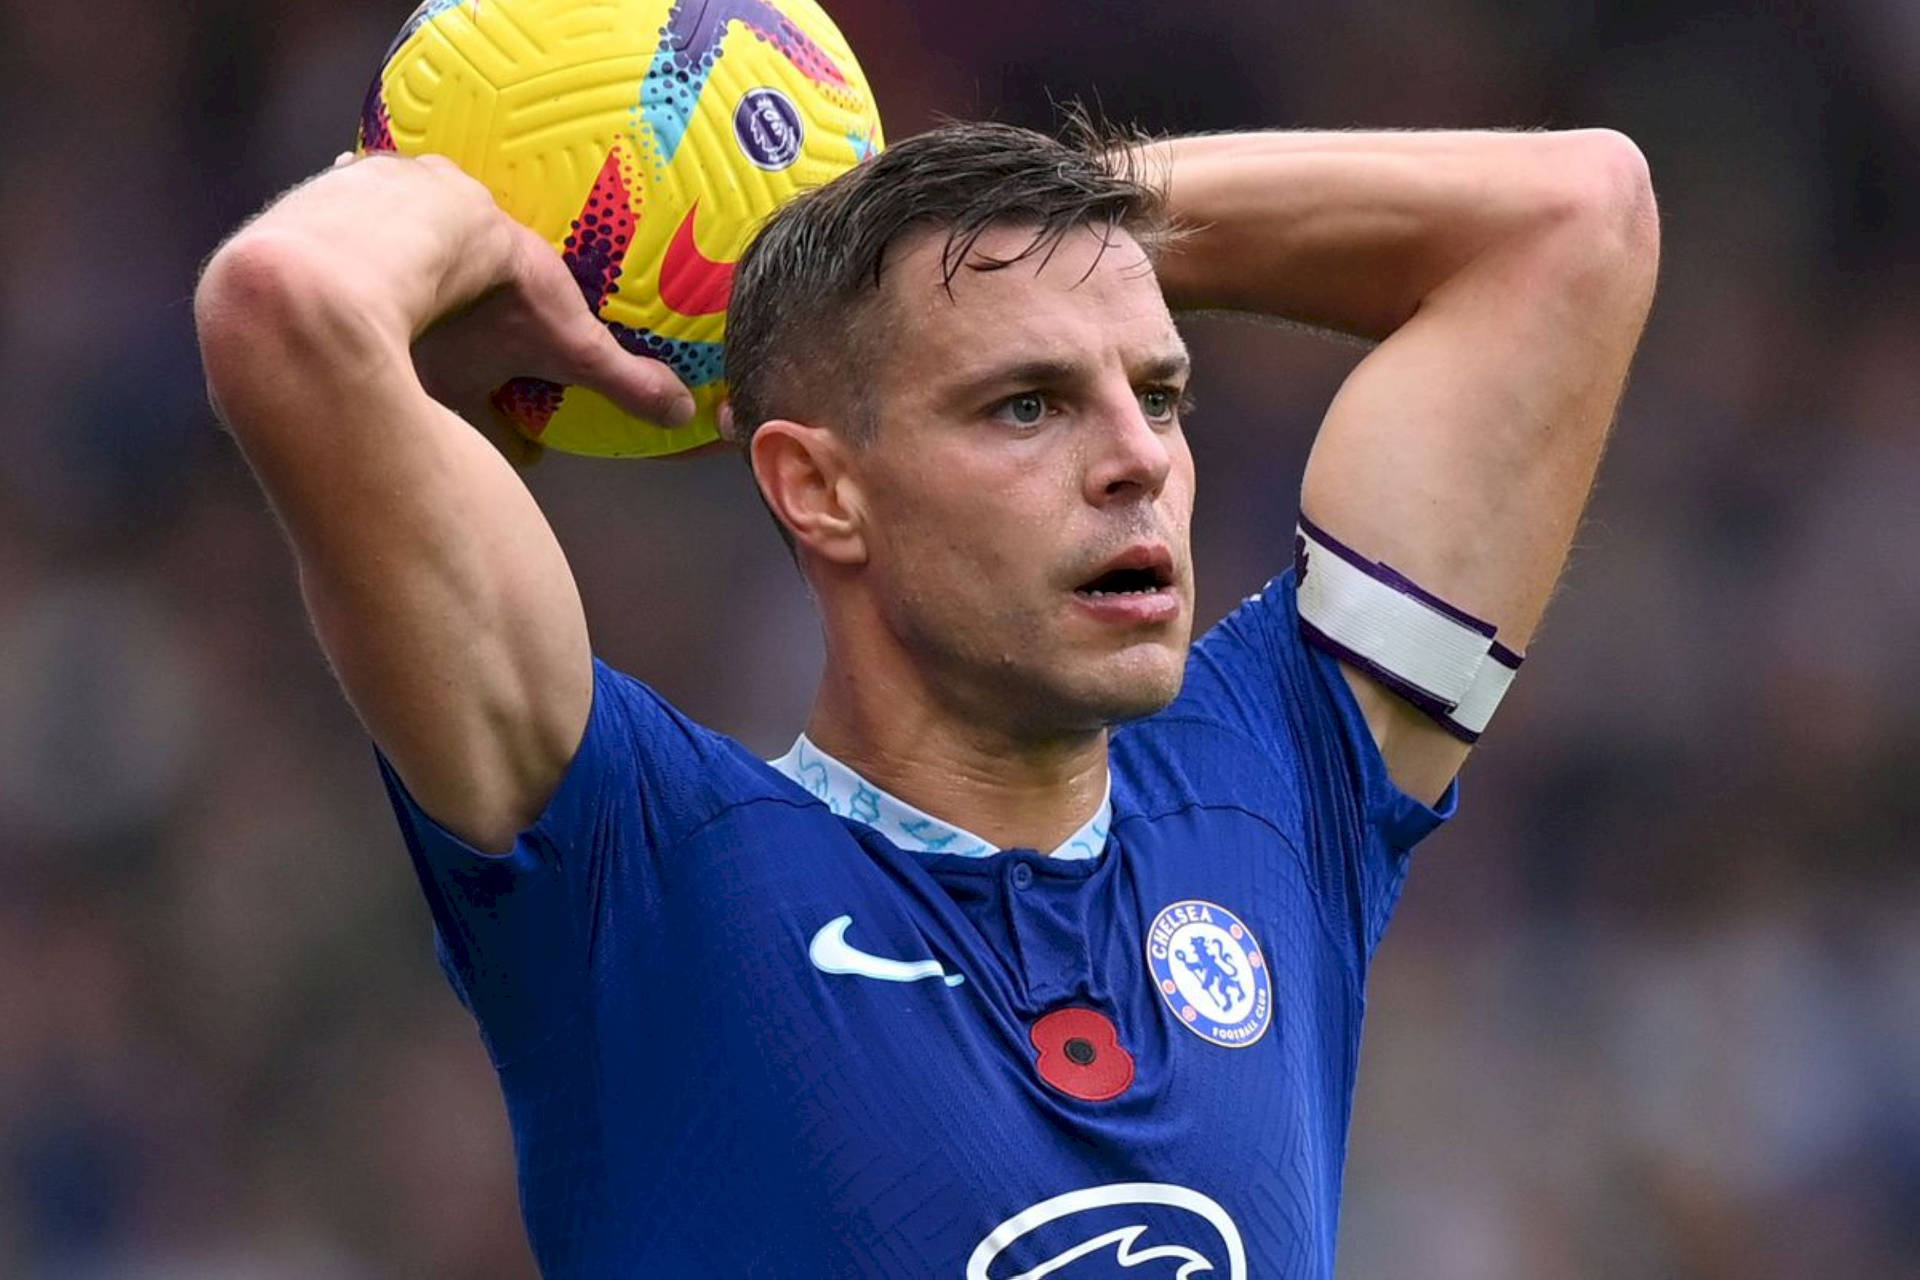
x=1462, y=449
x=436, y=587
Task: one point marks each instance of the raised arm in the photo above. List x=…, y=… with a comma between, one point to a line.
x=435, y=585
x=1506, y=277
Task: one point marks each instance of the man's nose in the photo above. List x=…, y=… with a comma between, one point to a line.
x=1131, y=455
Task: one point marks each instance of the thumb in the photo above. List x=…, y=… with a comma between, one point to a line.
x=642, y=386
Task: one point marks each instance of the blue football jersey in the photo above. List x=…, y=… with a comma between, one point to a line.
x=741, y=1034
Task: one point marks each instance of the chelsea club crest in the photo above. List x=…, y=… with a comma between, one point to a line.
x=1210, y=971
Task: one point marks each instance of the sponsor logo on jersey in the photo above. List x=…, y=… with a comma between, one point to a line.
x=1209, y=969
x=768, y=127
x=1211, y=1245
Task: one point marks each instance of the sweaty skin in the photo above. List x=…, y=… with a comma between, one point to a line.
x=1029, y=435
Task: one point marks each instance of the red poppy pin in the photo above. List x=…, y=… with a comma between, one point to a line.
x=1080, y=1054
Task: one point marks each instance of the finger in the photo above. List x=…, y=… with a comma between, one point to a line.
x=345, y=157
x=643, y=387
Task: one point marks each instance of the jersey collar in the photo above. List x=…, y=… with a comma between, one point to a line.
x=849, y=795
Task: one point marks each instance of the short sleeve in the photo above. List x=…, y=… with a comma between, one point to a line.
x=516, y=931
x=1255, y=675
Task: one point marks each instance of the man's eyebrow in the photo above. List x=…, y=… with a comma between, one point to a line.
x=1171, y=367
x=1044, y=372
x=1053, y=372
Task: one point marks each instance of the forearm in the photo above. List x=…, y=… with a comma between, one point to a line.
x=1353, y=231
x=367, y=254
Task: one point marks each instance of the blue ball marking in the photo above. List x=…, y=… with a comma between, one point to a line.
x=698, y=364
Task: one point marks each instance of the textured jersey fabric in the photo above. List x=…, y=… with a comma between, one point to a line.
x=700, y=1085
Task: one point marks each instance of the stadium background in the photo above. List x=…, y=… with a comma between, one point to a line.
x=1652, y=1005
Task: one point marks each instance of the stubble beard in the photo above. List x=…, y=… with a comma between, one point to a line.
x=1017, y=678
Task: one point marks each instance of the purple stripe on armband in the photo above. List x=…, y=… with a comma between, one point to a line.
x=1506, y=657
x=1392, y=578
x=1435, y=706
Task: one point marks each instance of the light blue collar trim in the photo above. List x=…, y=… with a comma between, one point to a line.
x=849, y=795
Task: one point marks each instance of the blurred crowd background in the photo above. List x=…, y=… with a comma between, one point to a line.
x=1651, y=1007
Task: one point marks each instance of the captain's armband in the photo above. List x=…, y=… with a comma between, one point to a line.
x=1435, y=655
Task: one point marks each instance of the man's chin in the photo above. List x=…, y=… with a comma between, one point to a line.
x=1139, y=708
x=1140, y=691
x=1061, y=714
x=1083, y=694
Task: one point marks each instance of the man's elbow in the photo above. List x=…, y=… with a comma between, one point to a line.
x=1613, y=201
x=259, y=288
x=1600, y=240
x=267, y=312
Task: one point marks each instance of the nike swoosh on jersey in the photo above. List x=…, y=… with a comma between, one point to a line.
x=690, y=282
x=832, y=953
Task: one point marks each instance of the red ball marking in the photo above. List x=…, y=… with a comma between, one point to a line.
x=1166, y=985
x=1105, y=1072
x=1235, y=930
x=529, y=403
x=597, y=249
x=690, y=282
x=1253, y=958
x=376, y=127
x=1188, y=1012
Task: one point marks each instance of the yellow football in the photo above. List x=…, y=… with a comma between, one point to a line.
x=647, y=140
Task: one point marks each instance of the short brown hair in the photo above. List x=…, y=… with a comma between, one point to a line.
x=802, y=317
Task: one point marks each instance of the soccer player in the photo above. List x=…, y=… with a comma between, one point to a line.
x=1042, y=952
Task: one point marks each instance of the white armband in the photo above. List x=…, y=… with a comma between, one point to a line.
x=1437, y=656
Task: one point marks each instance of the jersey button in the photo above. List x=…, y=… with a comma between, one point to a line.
x=1022, y=876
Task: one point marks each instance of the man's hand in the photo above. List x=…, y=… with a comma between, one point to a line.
x=535, y=324
x=436, y=587
x=519, y=312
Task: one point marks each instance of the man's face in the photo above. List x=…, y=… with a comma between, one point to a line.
x=1028, y=487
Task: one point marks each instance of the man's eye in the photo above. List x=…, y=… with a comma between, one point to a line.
x=1025, y=410
x=1159, y=403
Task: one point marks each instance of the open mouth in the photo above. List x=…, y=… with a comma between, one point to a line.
x=1128, y=582
x=1137, y=583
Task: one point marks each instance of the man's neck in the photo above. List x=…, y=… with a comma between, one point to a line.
x=1014, y=794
